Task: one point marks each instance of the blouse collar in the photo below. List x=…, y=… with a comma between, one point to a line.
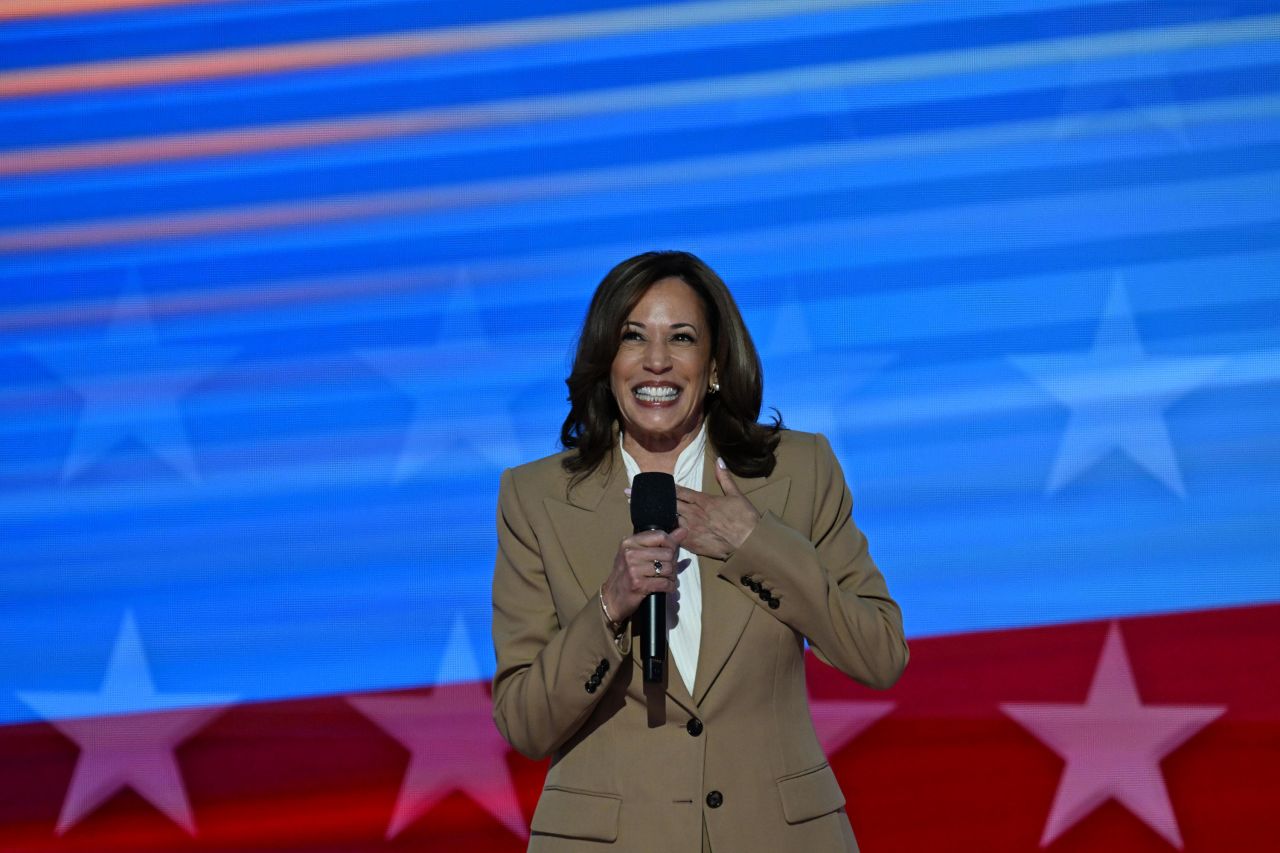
x=688, y=472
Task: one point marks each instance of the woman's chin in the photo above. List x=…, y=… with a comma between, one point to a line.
x=660, y=432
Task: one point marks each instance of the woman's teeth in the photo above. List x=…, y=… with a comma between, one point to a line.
x=650, y=394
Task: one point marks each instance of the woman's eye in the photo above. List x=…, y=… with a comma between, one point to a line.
x=631, y=336
x=683, y=337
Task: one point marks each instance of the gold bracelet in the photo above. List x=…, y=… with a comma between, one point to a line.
x=613, y=623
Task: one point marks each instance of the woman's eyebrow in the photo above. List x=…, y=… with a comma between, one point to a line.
x=640, y=325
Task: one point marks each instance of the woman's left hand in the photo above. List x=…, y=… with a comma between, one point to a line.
x=717, y=525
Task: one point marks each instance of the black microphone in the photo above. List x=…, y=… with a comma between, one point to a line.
x=653, y=507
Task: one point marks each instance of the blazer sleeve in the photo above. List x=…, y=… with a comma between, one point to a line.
x=541, y=695
x=826, y=584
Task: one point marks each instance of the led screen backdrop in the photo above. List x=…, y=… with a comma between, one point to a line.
x=284, y=286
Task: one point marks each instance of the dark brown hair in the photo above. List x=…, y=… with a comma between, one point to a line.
x=591, y=426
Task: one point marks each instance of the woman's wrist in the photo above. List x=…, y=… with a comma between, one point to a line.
x=614, y=624
x=746, y=528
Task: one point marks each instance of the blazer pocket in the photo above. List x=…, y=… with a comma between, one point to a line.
x=571, y=813
x=809, y=794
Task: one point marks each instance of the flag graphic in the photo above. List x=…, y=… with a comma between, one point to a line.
x=284, y=287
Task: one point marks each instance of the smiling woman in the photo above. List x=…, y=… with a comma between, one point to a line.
x=630, y=329
x=662, y=373
x=765, y=557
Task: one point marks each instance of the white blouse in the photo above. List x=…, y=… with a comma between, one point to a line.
x=684, y=609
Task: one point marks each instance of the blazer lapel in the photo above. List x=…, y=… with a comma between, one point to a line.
x=725, y=610
x=591, y=523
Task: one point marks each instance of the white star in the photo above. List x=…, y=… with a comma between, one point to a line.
x=453, y=742
x=1117, y=395
x=813, y=380
x=839, y=721
x=127, y=733
x=1112, y=745
x=455, y=387
x=130, y=384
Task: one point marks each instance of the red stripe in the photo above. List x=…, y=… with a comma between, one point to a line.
x=946, y=770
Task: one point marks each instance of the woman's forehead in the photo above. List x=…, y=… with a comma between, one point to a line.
x=668, y=301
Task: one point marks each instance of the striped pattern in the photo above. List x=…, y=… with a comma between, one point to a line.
x=284, y=286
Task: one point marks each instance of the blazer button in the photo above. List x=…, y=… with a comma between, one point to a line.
x=591, y=686
x=715, y=799
x=694, y=727
x=746, y=581
x=765, y=594
x=773, y=603
x=756, y=586
x=603, y=667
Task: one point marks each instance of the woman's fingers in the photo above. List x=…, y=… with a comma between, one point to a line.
x=641, y=581
x=726, y=481
x=634, y=574
x=647, y=539
x=659, y=584
x=655, y=539
x=644, y=559
x=689, y=496
x=718, y=525
x=691, y=514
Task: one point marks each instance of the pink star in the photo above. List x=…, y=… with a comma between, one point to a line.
x=127, y=733
x=838, y=722
x=1113, y=745
x=454, y=744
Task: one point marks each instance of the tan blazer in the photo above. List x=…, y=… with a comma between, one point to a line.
x=642, y=769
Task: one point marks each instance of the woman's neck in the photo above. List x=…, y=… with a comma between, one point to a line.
x=658, y=453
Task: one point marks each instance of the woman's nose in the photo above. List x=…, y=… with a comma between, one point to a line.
x=657, y=359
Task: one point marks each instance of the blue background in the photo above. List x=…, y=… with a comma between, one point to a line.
x=1019, y=260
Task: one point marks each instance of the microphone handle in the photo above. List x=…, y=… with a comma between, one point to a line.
x=652, y=625
x=653, y=637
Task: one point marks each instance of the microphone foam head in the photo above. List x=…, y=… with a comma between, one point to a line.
x=653, y=501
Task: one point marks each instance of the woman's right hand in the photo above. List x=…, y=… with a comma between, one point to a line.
x=634, y=576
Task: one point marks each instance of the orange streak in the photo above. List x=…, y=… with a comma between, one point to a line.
x=240, y=62
x=16, y=9
x=220, y=143
x=338, y=52
x=327, y=53
x=176, y=225
x=269, y=294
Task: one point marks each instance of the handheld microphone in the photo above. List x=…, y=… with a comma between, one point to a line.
x=653, y=507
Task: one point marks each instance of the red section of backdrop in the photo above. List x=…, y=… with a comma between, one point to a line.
x=946, y=769
x=949, y=771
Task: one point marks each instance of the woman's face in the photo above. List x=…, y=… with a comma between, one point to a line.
x=663, y=365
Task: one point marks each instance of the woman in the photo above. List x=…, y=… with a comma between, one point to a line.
x=666, y=378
